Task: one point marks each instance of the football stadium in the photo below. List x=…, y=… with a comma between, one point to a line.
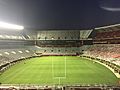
x=59, y=59
x=62, y=58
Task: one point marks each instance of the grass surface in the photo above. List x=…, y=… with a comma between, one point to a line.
x=58, y=70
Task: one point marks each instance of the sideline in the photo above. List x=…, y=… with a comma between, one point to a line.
x=116, y=74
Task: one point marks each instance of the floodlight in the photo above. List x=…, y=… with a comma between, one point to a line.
x=6, y=53
x=27, y=51
x=20, y=51
x=13, y=52
x=52, y=38
x=1, y=36
x=8, y=26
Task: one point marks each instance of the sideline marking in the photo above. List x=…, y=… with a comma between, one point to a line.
x=112, y=70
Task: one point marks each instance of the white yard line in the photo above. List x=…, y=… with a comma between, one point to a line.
x=65, y=65
x=52, y=67
x=58, y=77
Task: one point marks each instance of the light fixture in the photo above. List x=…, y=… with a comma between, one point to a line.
x=8, y=26
x=13, y=52
x=27, y=51
x=20, y=51
x=6, y=53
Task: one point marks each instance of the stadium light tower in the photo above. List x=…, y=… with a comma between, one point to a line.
x=4, y=25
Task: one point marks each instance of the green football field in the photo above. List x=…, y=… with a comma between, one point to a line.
x=54, y=70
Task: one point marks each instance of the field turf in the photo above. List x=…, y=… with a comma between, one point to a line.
x=51, y=70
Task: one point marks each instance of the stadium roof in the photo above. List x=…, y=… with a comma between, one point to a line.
x=114, y=27
x=60, y=14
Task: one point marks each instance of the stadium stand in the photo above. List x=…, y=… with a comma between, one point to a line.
x=9, y=57
x=109, y=52
x=84, y=34
x=17, y=46
x=14, y=47
x=90, y=88
x=60, y=42
x=4, y=35
x=108, y=35
x=105, y=48
x=57, y=50
x=32, y=87
x=59, y=35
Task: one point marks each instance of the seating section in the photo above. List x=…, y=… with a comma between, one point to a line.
x=60, y=88
x=109, y=52
x=9, y=55
x=57, y=50
x=91, y=88
x=4, y=60
x=59, y=35
x=4, y=35
x=111, y=34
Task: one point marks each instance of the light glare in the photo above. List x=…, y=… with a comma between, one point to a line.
x=10, y=26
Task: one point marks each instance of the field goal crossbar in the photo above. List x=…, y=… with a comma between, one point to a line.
x=59, y=77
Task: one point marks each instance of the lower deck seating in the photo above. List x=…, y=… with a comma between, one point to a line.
x=9, y=55
x=4, y=60
x=108, y=52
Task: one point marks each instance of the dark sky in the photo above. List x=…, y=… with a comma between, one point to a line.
x=60, y=14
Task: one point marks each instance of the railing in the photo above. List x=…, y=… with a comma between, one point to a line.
x=58, y=87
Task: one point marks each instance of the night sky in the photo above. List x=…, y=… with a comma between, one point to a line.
x=60, y=14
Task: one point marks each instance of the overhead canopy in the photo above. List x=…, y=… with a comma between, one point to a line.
x=114, y=27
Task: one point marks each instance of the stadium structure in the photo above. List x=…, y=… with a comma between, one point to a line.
x=60, y=59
